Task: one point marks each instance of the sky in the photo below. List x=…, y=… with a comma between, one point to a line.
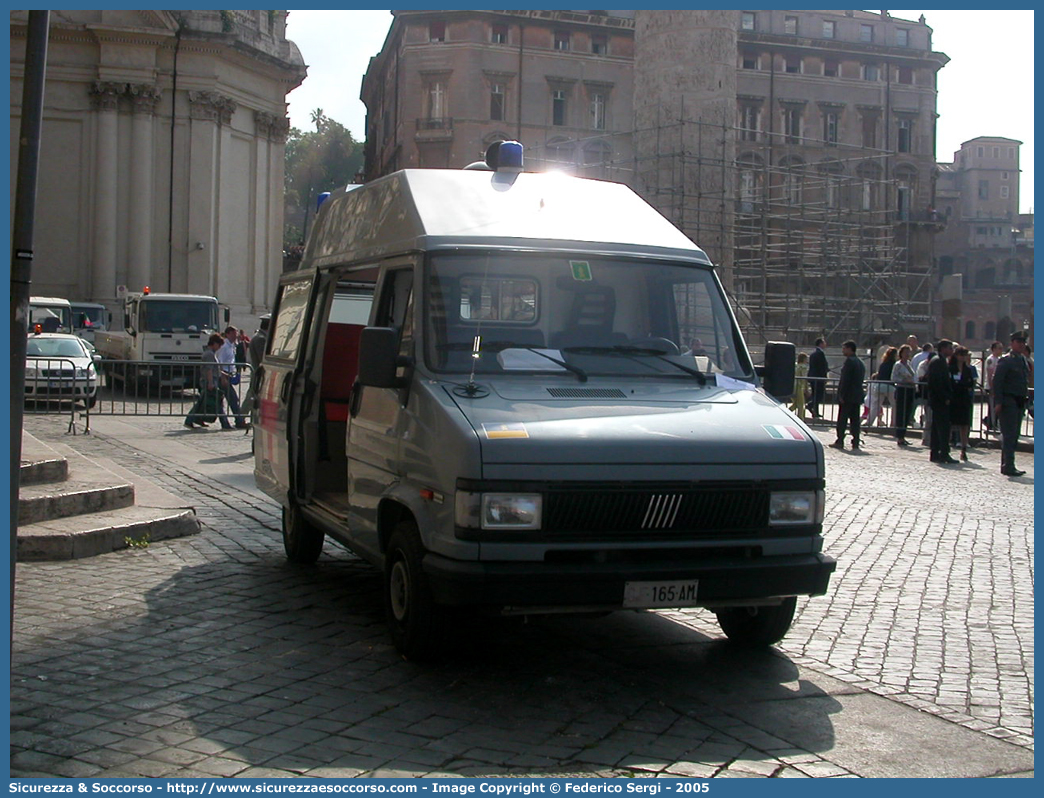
x=985, y=90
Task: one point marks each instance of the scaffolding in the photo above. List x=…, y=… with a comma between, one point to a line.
x=811, y=240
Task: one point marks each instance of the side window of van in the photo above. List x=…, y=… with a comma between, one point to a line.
x=289, y=324
x=395, y=299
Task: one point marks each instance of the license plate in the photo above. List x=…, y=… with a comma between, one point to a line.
x=58, y=384
x=660, y=594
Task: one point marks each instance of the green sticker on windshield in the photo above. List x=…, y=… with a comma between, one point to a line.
x=581, y=270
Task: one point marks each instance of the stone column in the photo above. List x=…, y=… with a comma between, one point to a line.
x=207, y=111
x=685, y=111
x=271, y=131
x=141, y=199
x=105, y=97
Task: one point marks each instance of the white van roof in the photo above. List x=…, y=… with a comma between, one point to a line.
x=425, y=209
x=48, y=300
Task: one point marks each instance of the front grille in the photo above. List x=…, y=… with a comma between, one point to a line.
x=587, y=393
x=667, y=511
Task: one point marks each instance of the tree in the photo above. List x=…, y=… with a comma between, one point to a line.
x=319, y=160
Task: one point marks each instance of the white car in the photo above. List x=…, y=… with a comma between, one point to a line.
x=60, y=368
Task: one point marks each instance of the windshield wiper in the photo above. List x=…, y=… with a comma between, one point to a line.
x=637, y=350
x=500, y=346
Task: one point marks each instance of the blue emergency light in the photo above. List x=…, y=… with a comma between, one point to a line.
x=321, y=199
x=509, y=157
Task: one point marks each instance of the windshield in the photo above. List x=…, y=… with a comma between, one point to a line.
x=54, y=347
x=594, y=315
x=51, y=318
x=88, y=316
x=159, y=315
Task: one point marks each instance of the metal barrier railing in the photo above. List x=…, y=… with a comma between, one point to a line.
x=148, y=388
x=56, y=385
x=881, y=396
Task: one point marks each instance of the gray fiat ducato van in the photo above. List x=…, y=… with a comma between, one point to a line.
x=488, y=385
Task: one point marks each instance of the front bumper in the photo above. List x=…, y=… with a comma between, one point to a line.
x=549, y=585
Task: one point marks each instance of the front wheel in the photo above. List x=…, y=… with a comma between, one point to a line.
x=302, y=540
x=417, y=623
x=757, y=627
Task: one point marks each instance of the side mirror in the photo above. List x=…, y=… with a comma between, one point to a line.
x=778, y=373
x=379, y=357
x=96, y=357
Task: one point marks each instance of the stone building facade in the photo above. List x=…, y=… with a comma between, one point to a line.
x=162, y=153
x=449, y=83
x=796, y=147
x=987, y=242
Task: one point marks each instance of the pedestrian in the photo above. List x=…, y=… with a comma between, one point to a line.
x=918, y=359
x=817, y=374
x=989, y=368
x=1011, y=384
x=797, y=401
x=849, y=396
x=964, y=378
x=940, y=395
x=229, y=379
x=208, y=403
x=881, y=389
x=255, y=354
x=905, y=381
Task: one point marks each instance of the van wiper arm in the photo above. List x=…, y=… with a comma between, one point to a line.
x=500, y=346
x=637, y=350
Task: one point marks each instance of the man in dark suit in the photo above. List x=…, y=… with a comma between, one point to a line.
x=1010, y=392
x=940, y=393
x=817, y=372
x=849, y=396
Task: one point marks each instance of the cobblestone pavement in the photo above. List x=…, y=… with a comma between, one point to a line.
x=211, y=656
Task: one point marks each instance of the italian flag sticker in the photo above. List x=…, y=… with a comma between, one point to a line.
x=782, y=433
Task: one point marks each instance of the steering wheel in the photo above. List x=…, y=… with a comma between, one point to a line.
x=663, y=345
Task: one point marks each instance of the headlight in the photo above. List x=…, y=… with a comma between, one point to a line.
x=498, y=510
x=82, y=374
x=787, y=508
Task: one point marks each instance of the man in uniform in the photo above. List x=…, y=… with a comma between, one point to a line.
x=817, y=374
x=849, y=395
x=1010, y=391
x=940, y=392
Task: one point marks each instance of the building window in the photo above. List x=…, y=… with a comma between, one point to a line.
x=906, y=76
x=748, y=190
x=436, y=31
x=792, y=123
x=500, y=34
x=1005, y=192
x=750, y=61
x=790, y=25
x=561, y=40
x=833, y=191
x=831, y=68
x=871, y=72
x=599, y=44
x=902, y=37
x=1004, y=175
x=866, y=33
x=496, y=102
x=792, y=187
x=830, y=127
x=869, y=130
x=558, y=107
x=904, y=140
x=436, y=100
x=996, y=152
x=793, y=65
x=980, y=151
x=1011, y=152
x=829, y=29
x=749, y=21
x=749, y=118
x=969, y=330
x=598, y=110
x=984, y=189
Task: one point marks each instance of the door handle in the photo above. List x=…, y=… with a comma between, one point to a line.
x=284, y=391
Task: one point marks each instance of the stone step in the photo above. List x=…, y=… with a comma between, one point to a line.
x=51, y=501
x=42, y=471
x=103, y=532
x=79, y=507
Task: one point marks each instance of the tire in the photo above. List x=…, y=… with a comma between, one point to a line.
x=757, y=627
x=416, y=622
x=302, y=541
x=91, y=401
